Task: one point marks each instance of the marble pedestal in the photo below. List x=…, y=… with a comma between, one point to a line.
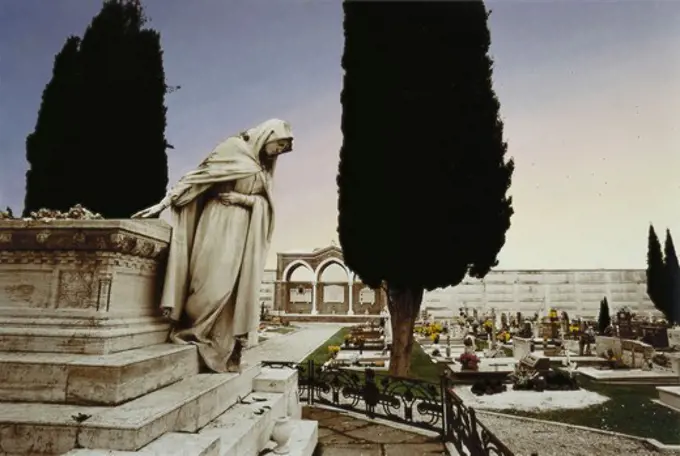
x=90, y=287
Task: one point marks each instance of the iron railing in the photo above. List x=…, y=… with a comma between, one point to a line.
x=435, y=407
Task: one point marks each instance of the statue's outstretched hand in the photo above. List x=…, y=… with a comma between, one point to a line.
x=150, y=211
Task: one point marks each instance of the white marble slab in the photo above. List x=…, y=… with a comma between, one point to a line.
x=93, y=379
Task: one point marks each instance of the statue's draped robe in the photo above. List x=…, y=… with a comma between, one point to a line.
x=217, y=252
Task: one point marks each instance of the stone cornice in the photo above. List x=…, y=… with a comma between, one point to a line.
x=143, y=238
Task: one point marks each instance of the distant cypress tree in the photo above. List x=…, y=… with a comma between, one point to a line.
x=672, y=280
x=118, y=164
x=423, y=175
x=656, y=272
x=604, y=319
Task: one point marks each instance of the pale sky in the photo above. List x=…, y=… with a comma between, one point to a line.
x=589, y=91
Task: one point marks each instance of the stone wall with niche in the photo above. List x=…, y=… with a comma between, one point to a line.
x=367, y=301
x=299, y=297
x=332, y=298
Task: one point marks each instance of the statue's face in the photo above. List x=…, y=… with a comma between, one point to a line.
x=278, y=147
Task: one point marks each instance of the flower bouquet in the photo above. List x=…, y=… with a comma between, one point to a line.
x=333, y=350
x=468, y=361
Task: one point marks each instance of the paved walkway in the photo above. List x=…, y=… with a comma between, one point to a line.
x=292, y=347
x=344, y=435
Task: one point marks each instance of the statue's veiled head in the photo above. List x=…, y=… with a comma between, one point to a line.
x=270, y=139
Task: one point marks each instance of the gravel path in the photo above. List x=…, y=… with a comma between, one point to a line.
x=525, y=437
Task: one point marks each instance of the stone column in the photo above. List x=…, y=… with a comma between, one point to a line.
x=350, y=298
x=314, y=311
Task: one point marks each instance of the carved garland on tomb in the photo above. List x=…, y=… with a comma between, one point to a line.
x=94, y=240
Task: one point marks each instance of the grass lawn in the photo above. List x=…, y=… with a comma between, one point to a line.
x=422, y=367
x=321, y=354
x=630, y=411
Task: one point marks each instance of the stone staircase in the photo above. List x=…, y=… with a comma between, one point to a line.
x=147, y=401
x=84, y=369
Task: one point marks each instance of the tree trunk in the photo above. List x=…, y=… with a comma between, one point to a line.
x=404, y=305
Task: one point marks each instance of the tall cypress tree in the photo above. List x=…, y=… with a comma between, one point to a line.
x=118, y=165
x=672, y=280
x=423, y=174
x=50, y=148
x=655, y=272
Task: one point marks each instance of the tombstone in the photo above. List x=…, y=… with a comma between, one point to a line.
x=674, y=337
x=471, y=347
x=535, y=330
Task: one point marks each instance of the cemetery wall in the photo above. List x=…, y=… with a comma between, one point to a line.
x=578, y=292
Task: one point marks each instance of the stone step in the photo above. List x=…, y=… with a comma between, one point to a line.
x=36, y=318
x=185, y=406
x=275, y=380
x=304, y=440
x=669, y=396
x=241, y=430
x=171, y=444
x=93, y=340
x=93, y=379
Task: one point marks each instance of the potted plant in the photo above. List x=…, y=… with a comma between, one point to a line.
x=488, y=326
x=348, y=340
x=359, y=343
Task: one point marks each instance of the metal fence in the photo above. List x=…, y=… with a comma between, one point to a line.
x=434, y=407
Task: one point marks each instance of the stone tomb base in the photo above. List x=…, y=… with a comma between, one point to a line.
x=84, y=369
x=81, y=286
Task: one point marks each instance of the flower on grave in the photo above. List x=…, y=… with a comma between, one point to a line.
x=77, y=212
x=7, y=214
x=333, y=349
x=435, y=328
x=468, y=361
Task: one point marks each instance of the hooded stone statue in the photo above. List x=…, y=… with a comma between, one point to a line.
x=222, y=220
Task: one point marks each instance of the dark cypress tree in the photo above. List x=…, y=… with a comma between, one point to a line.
x=119, y=162
x=49, y=149
x=655, y=272
x=672, y=280
x=423, y=175
x=604, y=319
